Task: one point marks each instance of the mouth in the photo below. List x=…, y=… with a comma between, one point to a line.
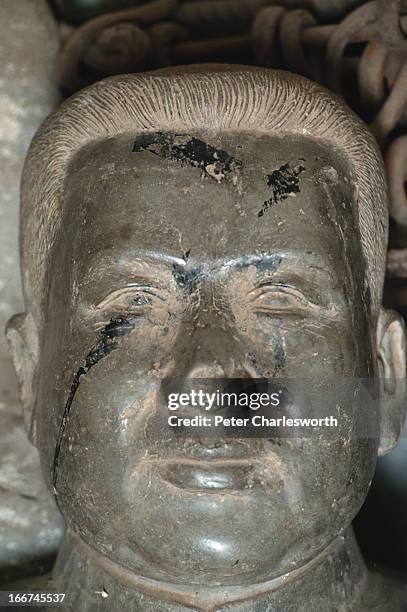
x=213, y=467
x=209, y=476
x=228, y=450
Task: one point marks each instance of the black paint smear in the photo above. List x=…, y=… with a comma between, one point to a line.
x=268, y=264
x=185, y=279
x=278, y=346
x=264, y=262
x=283, y=182
x=188, y=150
x=116, y=328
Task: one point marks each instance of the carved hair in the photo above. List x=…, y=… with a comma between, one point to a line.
x=229, y=99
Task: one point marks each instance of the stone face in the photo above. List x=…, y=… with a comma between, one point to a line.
x=28, y=93
x=200, y=225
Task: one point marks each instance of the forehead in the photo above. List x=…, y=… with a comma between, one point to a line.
x=211, y=196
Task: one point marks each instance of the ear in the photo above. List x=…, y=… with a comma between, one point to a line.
x=23, y=339
x=391, y=354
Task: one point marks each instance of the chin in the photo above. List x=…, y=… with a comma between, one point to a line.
x=209, y=538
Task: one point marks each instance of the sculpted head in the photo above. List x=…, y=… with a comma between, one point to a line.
x=231, y=224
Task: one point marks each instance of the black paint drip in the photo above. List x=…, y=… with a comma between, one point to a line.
x=278, y=349
x=116, y=328
x=188, y=150
x=283, y=182
x=185, y=279
x=269, y=263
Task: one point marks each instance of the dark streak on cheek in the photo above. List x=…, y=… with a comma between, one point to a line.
x=278, y=349
x=108, y=342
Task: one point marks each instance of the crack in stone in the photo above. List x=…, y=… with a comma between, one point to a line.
x=116, y=328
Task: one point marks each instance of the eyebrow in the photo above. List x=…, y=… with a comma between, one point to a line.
x=264, y=262
x=139, y=267
x=141, y=262
x=270, y=263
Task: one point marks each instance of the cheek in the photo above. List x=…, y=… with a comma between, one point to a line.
x=148, y=349
x=140, y=351
x=305, y=348
x=115, y=391
x=105, y=433
x=345, y=472
x=116, y=380
x=330, y=482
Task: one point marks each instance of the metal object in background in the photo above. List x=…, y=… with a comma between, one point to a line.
x=78, y=11
x=111, y=44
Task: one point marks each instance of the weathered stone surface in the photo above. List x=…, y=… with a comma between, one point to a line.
x=30, y=526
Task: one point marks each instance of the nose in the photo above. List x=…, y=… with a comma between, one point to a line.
x=208, y=343
x=210, y=349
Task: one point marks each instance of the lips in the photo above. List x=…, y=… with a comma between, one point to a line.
x=219, y=449
x=212, y=476
x=208, y=466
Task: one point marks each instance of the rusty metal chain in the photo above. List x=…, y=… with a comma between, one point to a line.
x=128, y=40
x=111, y=44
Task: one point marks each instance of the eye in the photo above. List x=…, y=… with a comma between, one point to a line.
x=135, y=300
x=280, y=298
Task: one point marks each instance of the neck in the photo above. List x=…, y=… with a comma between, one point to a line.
x=92, y=582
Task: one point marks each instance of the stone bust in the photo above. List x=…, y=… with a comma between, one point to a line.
x=149, y=221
